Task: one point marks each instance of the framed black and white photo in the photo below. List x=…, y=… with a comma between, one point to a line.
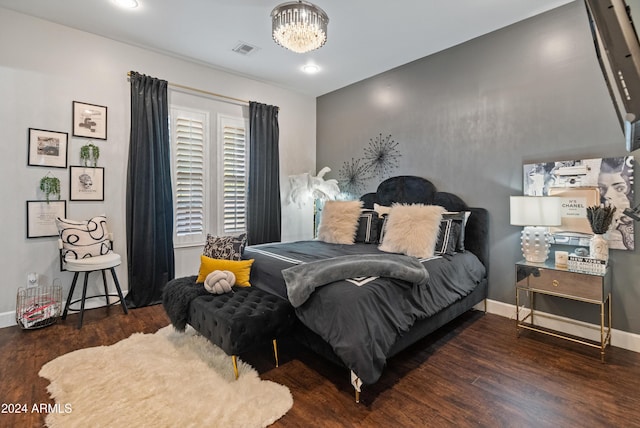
x=86, y=183
x=47, y=148
x=89, y=120
x=583, y=183
x=41, y=217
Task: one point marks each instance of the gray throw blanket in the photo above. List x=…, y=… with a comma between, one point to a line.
x=176, y=297
x=303, y=279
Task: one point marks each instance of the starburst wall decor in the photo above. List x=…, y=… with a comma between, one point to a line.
x=379, y=161
x=381, y=157
x=353, y=176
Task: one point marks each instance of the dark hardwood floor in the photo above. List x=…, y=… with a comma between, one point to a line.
x=472, y=373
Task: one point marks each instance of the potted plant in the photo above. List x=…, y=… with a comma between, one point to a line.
x=89, y=154
x=50, y=186
x=600, y=218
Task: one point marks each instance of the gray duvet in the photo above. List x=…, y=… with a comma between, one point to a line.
x=361, y=318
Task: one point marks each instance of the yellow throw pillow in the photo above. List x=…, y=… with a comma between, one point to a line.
x=241, y=269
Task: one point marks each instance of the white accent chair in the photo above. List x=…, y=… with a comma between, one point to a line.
x=87, y=265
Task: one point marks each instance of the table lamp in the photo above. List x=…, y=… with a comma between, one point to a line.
x=536, y=214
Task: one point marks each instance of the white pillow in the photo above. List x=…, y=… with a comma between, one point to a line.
x=412, y=229
x=339, y=222
x=85, y=238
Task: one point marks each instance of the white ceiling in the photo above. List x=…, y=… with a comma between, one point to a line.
x=365, y=37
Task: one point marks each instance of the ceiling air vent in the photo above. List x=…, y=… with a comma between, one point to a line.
x=245, y=49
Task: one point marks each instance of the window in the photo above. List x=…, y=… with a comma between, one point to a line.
x=189, y=131
x=234, y=174
x=209, y=177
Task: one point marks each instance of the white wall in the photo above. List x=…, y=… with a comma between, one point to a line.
x=43, y=68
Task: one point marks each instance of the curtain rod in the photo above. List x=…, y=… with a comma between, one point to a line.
x=202, y=91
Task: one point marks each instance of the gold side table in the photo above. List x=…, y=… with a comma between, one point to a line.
x=546, y=278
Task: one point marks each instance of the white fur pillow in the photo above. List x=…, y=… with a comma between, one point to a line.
x=339, y=222
x=412, y=229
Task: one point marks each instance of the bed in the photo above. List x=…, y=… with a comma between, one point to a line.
x=357, y=305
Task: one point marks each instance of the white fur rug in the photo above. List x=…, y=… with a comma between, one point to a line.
x=166, y=379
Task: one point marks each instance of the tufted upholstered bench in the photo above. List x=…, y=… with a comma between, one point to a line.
x=241, y=320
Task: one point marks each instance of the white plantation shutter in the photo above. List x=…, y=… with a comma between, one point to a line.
x=234, y=174
x=189, y=142
x=209, y=178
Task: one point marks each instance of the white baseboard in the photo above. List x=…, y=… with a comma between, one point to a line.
x=7, y=319
x=620, y=339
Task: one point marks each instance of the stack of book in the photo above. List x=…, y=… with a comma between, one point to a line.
x=586, y=264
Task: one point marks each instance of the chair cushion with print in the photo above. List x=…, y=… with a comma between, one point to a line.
x=84, y=238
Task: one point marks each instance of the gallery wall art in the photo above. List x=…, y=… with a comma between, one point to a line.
x=583, y=183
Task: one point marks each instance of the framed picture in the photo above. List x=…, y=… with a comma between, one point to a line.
x=86, y=183
x=89, y=120
x=47, y=148
x=41, y=217
x=592, y=182
x=575, y=201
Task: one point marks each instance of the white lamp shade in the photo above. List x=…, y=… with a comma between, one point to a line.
x=535, y=211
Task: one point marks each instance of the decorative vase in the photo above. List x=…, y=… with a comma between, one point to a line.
x=599, y=247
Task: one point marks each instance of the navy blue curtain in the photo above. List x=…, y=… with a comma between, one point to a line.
x=149, y=213
x=263, y=200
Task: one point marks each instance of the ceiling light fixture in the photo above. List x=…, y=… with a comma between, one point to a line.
x=129, y=4
x=310, y=68
x=299, y=26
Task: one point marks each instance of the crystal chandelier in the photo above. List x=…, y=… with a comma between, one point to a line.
x=299, y=26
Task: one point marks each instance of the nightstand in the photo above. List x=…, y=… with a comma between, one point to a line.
x=546, y=278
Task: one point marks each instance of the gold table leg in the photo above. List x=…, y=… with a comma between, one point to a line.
x=517, y=312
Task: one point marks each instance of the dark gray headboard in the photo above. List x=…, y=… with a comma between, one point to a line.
x=409, y=189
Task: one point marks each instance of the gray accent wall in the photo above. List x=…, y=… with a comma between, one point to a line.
x=469, y=117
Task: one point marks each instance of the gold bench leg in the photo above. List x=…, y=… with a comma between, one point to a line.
x=235, y=359
x=235, y=365
x=275, y=351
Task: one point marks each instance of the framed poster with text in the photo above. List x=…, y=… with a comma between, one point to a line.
x=41, y=217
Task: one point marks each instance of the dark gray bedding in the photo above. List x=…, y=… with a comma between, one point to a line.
x=303, y=279
x=362, y=318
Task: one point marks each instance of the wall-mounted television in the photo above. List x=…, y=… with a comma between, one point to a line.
x=618, y=50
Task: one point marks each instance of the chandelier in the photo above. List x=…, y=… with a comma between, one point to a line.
x=299, y=26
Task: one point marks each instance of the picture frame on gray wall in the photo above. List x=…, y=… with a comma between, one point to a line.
x=89, y=120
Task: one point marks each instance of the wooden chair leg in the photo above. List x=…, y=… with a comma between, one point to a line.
x=119, y=290
x=73, y=287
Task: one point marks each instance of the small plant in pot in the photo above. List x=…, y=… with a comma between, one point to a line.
x=50, y=186
x=89, y=154
x=600, y=219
